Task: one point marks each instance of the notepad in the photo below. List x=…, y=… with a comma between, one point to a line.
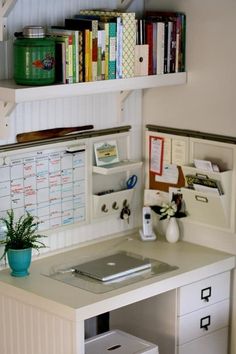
x=113, y=266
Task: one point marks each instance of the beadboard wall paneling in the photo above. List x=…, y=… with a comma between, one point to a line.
x=101, y=110
x=28, y=12
x=23, y=325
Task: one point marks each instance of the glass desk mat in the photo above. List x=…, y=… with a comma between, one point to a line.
x=67, y=275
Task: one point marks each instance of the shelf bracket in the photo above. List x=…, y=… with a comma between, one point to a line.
x=123, y=4
x=122, y=97
x=5, y=8
x=5, y=110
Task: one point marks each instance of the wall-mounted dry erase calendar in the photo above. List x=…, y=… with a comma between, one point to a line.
x=50, y=184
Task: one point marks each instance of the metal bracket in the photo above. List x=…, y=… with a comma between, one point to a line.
x=5, y=8
x=122, y=97
x=123, y=4
x=5, y=110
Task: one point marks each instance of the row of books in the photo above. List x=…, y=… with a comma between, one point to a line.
x=165, y=34
x=101, y=45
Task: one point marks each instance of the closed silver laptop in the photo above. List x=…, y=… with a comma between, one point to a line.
x=113, y=266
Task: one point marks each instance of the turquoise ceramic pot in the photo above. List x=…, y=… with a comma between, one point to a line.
x=19, y=261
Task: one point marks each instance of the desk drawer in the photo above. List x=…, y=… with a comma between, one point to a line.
x=203, y=293
x=200, y=323
x=213, y=343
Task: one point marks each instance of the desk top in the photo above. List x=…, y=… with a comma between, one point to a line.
x=194, y=263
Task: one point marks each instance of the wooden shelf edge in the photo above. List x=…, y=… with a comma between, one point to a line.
x=10, y=92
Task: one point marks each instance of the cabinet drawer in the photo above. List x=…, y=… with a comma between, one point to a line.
x=200, y=323
x=213, y=343
x=203, y=293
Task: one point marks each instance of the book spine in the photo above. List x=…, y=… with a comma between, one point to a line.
x=106, y=50
x=60, y=62
x=119, y=49
x=112, y=51
x=160, y=47
x=87, y=55
x=154, y=48
x=81, y=56
x=103, y=54
x=90, y=56
x=75, y=57
x=183, y=41
x=129, y=42
x=70, y=60
x=178, y=43
x=99, y=57
x=165, y=47
x=169, y=38
x=149, y=41
x=173, y=47
x=94, y=49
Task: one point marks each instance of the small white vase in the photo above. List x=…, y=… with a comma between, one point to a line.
x=172, y=231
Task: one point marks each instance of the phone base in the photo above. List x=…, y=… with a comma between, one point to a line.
x=151, y=237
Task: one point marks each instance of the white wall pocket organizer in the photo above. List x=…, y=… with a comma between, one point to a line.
x=209, y=205
x=113, y=181
x=208, y=188
x=111, y=203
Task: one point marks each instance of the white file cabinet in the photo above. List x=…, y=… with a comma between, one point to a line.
x=203, y=316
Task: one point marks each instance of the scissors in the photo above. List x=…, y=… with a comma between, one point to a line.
x=131, y=182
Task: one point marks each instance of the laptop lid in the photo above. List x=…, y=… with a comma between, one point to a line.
x=113, y=266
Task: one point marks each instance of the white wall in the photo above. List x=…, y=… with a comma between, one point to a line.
x=207, y=102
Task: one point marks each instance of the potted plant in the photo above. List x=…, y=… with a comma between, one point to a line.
x=20, y=238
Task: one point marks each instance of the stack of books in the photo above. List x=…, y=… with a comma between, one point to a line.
x=101, y=45
x=95, y=45
x=164, y=32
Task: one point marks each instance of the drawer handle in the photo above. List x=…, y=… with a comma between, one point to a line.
x=114, y=347
x=200, y=198
x=206, y=294
x=205, y=322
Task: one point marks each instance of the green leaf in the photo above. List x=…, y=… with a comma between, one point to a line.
x=22, y=233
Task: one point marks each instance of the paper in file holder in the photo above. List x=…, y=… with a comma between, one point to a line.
x=209, y=205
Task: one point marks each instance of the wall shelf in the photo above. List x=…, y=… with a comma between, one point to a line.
x=122, y=166
x=10, y=92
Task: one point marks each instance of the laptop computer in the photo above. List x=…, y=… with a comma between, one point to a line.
x=113, y=266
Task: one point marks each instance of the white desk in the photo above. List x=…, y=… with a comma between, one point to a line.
x=45, y=316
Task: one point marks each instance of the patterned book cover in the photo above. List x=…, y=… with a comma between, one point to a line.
x=119, y=43
x=81, y=56
x=87, y=56
x=128, y=38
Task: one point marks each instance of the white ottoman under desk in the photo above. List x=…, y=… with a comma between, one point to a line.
x=118, y=342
